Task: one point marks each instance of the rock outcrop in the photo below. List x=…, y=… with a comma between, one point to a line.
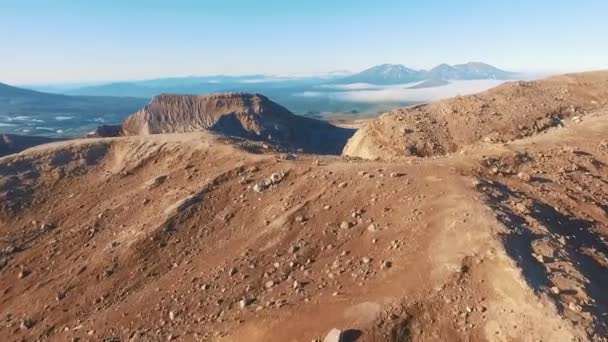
x=249, y=116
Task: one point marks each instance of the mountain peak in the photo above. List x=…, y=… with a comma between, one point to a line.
x=385, y=74
x=468, y=71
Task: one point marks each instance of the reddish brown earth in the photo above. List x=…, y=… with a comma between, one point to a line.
x=195, y=237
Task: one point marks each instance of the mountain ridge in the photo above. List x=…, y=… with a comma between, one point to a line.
x=388, y=74
x=383, y=74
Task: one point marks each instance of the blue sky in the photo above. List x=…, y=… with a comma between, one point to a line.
x=60, y=40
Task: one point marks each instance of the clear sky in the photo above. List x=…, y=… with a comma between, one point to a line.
x=83, y=40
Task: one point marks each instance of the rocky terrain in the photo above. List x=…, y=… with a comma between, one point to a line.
x=199, y=237
x=248, y=116
x=508, y=112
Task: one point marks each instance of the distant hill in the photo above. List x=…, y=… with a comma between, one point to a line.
x=386, y=74
x=14, y=100
x=32, y=112
x=118, y=89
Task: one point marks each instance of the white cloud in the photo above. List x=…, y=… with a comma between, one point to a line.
x=401, y=93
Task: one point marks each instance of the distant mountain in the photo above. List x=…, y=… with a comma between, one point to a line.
x=118, y=89
x=14, y=100
x=385, y=74
x=10, y=143
x=32, y=112
x=468, y=71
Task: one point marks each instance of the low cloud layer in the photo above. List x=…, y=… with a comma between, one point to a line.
x=363, y=93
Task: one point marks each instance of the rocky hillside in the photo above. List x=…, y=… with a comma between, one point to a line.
x=511, y=111
x=248, y=116
x=187, y=237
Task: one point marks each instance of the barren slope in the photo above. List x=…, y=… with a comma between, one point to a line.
x=187, y=237
x=241, y=115
x=510, y=111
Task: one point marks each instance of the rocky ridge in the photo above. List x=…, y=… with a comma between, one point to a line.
x=508, y=112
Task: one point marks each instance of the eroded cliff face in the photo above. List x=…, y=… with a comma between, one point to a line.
x=249, y=116
x=508, y=112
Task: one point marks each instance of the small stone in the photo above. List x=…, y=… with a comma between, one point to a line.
x=538, y=257
x=343, y=185
x=232, y=271
x=334, y=335
x=524, y=176
x=366, y=260
x=171, y=315
x=26, y=324
x=60, y=295
x=396, y=174
x=575, y=307
x=522, y=208
x=269, y=284
x=371, y=227
x=555, y=290
x=345, y=225
x=243, y=303
x=23, y=273
x=386, y=264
